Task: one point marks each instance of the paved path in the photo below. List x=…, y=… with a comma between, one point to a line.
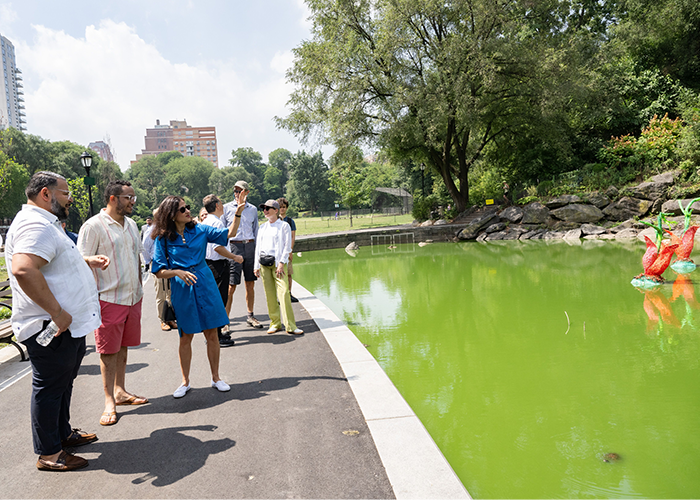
x=291, y=426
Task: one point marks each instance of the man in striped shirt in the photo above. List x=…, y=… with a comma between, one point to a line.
x=114, y=234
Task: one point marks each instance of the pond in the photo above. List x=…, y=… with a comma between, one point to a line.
x=536, y=367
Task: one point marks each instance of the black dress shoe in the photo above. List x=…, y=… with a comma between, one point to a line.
x=293, y=298
x=226, y=342
x=78, y=438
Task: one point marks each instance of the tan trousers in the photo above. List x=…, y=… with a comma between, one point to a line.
x=162, y=294
x=277, y=290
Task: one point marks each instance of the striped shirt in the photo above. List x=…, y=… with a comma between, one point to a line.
x=120, y=283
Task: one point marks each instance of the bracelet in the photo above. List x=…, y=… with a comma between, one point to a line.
x=60, y=311
x=238, y=216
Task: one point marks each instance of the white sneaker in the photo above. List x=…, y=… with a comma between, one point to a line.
x=221, y=386
x=181, y=391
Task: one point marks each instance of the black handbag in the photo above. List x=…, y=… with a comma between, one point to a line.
x=167, y=313
x=267, y=260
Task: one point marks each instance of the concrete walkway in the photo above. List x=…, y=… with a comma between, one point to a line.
x=306, y=417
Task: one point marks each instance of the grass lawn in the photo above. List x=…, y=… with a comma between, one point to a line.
x=316, y=225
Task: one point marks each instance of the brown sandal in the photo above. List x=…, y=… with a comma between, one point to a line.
x=108, y=418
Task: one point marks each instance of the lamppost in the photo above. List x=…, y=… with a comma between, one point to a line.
x=422, y=178
x=86, y=160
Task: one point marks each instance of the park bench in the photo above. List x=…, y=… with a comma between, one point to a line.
x=6, y=325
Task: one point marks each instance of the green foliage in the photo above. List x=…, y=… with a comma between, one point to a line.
x=309, y=185
x=653, y=151
x=424, y=206
x=81, y=199
x=347, y=178
x=13, y=180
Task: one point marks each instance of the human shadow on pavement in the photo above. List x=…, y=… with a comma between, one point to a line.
x=95, y=369
x=203, y=398
x=166, y=456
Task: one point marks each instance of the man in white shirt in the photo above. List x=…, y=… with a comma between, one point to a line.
x=218, y=256
x=112, y=233
x=243, y=244
x=51, y=281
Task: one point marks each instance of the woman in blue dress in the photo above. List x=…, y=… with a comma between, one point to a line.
x=179, y=255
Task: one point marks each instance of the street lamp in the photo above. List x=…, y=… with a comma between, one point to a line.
x=86, y=160
x=422, y=178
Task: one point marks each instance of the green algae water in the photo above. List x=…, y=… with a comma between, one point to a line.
x=536, y=367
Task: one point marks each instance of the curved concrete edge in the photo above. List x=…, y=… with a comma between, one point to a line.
x=413, y=462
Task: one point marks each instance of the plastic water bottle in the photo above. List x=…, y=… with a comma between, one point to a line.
x=47, y=335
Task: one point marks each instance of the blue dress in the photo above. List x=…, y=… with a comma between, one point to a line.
x=198, y=307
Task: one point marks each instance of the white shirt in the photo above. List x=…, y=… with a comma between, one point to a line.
x=38, y=232
x=148, y=243
x=120, y=283
x=213, y=221
x=274, y=239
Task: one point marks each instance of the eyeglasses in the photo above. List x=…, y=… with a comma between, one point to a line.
x=69, y=194
x=184, y=209
x=129, y=197
x=237, y=191
x=268, y=208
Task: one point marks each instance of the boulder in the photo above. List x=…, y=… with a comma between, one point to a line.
x=667, y=177
x=611, y=192
x=578, y=212
x=590, y=229
x=561, y=201
x=626, y=234
x=352, y=246
x=565, y=226
x=553, y=235
x=511, y=235
x=512, y=214
x=498, y=235
x=628, y=224
x=440, y=222
x=650, y=232
x=482, y=237
x=651, y=190
x=598, y=199
x=499, y=226
x=472, y=230
x=532, y=235
x=671, y=207
x=574, y=234
x=427, y=223
x=536, y=213
x=627, y=208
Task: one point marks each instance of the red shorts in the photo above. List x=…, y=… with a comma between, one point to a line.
x=121, y=326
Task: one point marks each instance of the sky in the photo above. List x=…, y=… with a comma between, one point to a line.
x=96, y=70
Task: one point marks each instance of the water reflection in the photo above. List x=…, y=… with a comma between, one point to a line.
x=529, y=361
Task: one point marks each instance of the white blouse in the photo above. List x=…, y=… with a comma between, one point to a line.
x=274, y=239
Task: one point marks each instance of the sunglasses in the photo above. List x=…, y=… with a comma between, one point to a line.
x=183, y=209
x=128, y=197
x=268, y=208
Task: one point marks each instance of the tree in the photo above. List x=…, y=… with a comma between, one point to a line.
x=273, y=182
x=433, y=81
x=280, y=158
x=310, y=180
x=347, y=179
x=13, y=180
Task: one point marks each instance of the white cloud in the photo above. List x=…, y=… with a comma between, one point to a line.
x=7, y=16
x=113, y=82
x=282, y=61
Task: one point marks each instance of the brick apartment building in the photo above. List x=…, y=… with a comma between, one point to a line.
x=178, y=136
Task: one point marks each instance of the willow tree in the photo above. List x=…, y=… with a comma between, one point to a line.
x=436, y=81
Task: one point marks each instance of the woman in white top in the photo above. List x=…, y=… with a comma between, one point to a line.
x=272, y=248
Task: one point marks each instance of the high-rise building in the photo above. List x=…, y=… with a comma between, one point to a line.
x=178, y=136
x=102, y=149
x=12, y=93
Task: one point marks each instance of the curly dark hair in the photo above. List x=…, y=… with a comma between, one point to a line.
x=165, y=218
x=115, y=188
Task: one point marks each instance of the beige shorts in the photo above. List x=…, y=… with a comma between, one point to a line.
x=289, y=265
